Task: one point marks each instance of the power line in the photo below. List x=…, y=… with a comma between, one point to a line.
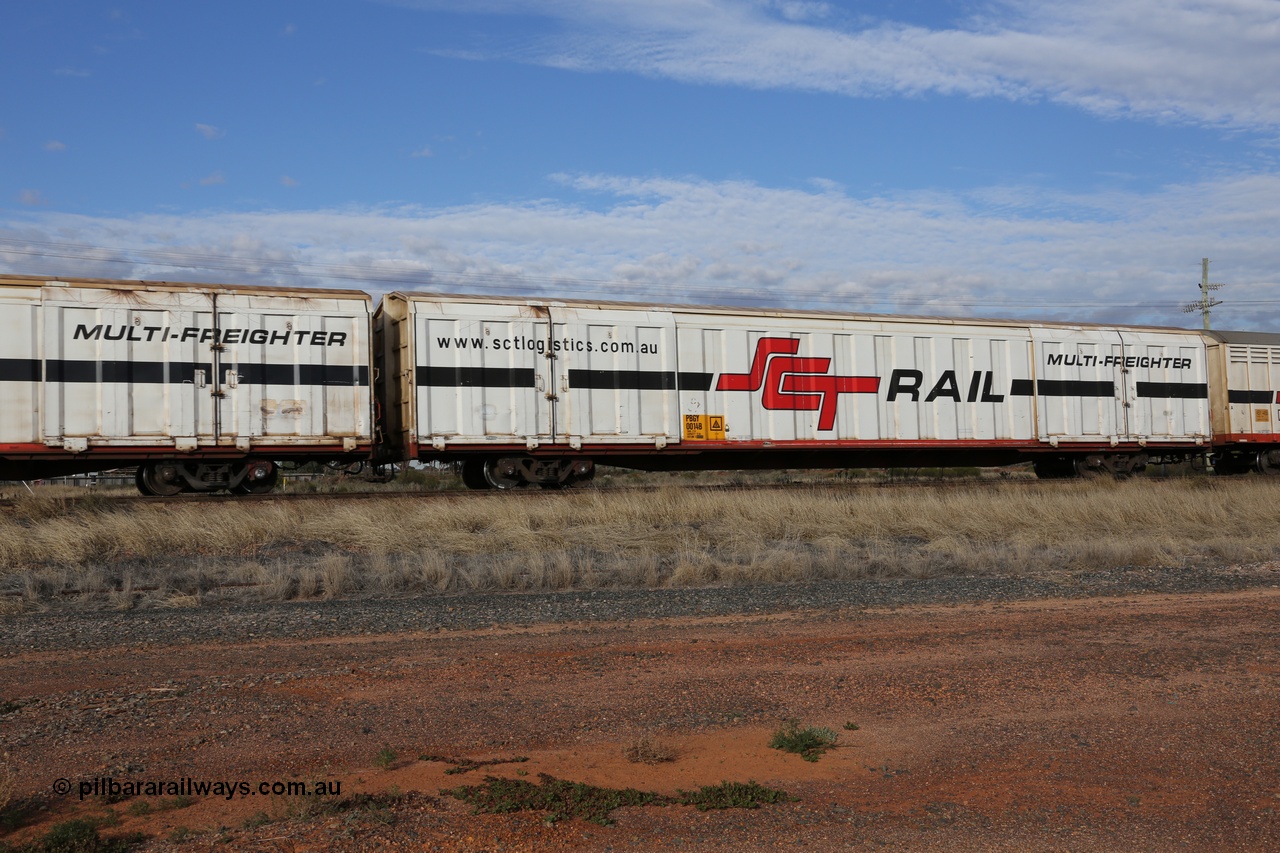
x=499, y=282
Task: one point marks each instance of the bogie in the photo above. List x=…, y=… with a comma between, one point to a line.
x=513, y=472
x=170, y=477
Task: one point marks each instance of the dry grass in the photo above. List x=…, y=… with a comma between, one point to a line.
x=8, y=783
x=100, y=554
x=647, y=750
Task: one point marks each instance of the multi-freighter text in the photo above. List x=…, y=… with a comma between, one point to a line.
x=206, y=335
x=1147, y=361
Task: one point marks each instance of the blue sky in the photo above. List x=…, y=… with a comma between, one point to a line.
x=1034, y=159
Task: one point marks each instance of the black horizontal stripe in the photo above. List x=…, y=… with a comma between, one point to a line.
x=476, y=377
x=1257, y=398
x=303, y=374
x=690, y=381
x=20, y=370
x=139, y=372
x=73, y=371
x=1061, y=388
x=1174, y=390
x=84, y=372
x=644, y=380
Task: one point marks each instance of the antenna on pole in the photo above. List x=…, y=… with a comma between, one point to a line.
x=1206, y=301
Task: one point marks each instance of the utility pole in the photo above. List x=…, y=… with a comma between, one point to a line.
x=1206, y=300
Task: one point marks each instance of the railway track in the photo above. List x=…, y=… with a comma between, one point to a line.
x=10, y=504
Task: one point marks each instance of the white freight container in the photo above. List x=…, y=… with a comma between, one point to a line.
x=128, y=370
x=525, y=378
x=476, y=372
x=1120, y=385
x=1247, y=384
x=1245, y=378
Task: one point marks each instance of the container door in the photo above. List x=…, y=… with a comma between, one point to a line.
x=1165, y=382
x=20, y=365
x=291, y=370
x=482, y=373
x=127, y=367
x=615, y=376
x=1079, y=388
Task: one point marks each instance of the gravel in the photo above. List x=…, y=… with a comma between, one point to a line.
x=53, y=629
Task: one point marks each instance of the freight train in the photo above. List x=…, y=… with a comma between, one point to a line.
x=214, y=387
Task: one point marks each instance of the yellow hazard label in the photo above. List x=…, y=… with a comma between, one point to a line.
x=704, y=427
x=1259, y=415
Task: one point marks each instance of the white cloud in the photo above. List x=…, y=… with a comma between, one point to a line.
x=214, y=179
x=55, y=145
x=800, y=10
x=288, y=181
x=1203, y=61
x=424, y=151
x=32, y=198
x=1006, y=251
x=208, y=131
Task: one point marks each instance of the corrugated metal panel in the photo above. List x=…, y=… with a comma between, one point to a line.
x=615, y=375
x=481, y=372
x=489, y=372
x=846, y=381
x=121, y=366
x=1166, y=386
x=1252, y=374
x=772, y=378
x=1097, y=385
x=20, y=365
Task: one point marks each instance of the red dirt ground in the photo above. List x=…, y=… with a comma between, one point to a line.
x=1143, y=723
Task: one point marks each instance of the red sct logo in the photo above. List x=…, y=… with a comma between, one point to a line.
x=796, y=384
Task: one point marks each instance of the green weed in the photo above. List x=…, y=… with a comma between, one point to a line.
x=733, y=795
x=809, y=742
x=466, y=765
x=562, y=799
x=385, y=758
x=81, y=836
x=181, y=801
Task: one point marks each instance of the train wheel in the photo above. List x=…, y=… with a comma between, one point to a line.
x=583, y=471
x=1089, y=467
x=160, y=479
x=141, y=483
x=503, y=472
x=473, y=474
x=1268, y=462
x=262, y=484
